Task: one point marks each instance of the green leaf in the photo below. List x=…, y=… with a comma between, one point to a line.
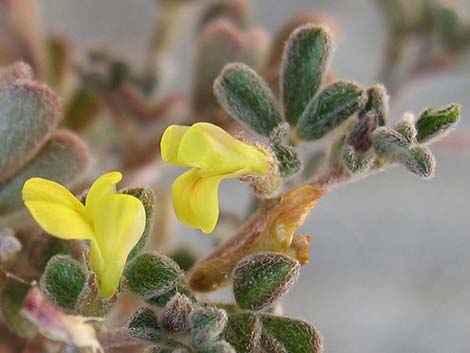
x=243, y=332
x=377, y=103
x=418, y=160
x=306, y=57
x=287, y=158
x=436, y=123
x=247, y=98
x=63, y=280
x=29, y=113
x=147, y=197
x=152, y=274
x=387, y=141
x=207, y=324
x=61, y=159
x=260, y=280
x=279, y=40
x=285, y=335
x=143, y=324
x=11, y=302
x=407, y=128
x=355, y=162
x=329, y=109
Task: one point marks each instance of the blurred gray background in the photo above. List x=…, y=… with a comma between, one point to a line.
x=390, y=257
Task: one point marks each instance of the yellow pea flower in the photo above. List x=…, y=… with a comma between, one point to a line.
x=214, y=155
x=112, y=222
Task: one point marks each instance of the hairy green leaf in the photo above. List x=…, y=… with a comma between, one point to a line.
x=207, y=324
x=29, y=113
x=247, y=98
x=243, y=332
x=436, y=123
x=260, y=280
x=329, y=109
x=419, y=160
x=63, y=281
x=377, y=103
x=306, y=57
x=407, y=128
x=387, y=140
x=285, y=335
x=143, y=324
x=152, y=274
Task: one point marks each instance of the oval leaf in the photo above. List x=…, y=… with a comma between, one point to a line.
x=285, y=335
x=329, y=109
x=151, y=274
x=63, y=281
x=243, y=332
x=437, y=122
x=247, y=98
x=260, y=280
x=306, y=57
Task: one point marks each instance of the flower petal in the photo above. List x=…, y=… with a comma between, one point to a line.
x=103, y=186
x=56, y=209
x=196, y=199
x=170, y=143
x=119, y=224
x=95, y=258
x=36, y=189
x=216, y=152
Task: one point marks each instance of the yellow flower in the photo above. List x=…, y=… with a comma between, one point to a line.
x=214, y=155
x=112, y=222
